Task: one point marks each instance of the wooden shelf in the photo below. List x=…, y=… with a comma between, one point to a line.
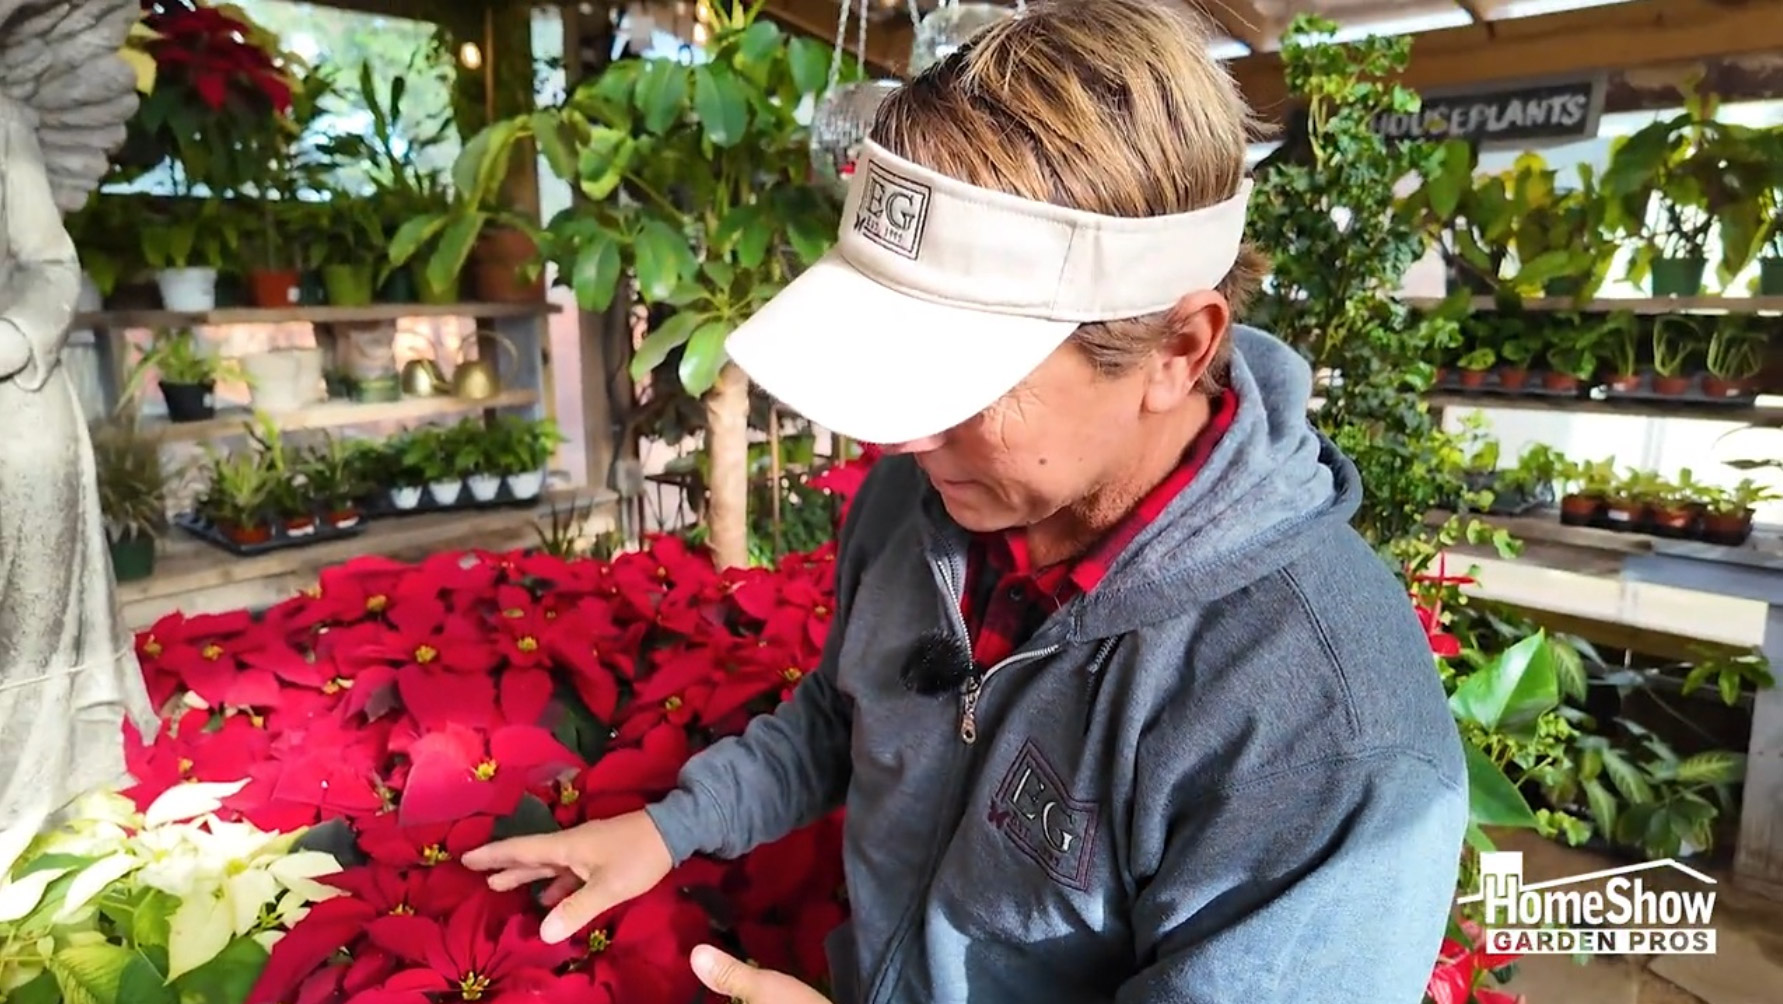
x=195, y=577
x=1745, y=414
x=371, y=314
x=1641, y=305
x=332, y=415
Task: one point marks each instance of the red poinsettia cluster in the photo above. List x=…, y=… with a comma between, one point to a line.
x=217, y=53
x=421, y=710
x=428, y=708
x=1464, y=970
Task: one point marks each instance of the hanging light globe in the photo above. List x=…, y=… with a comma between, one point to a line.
x=948, y=27
x=839, y=125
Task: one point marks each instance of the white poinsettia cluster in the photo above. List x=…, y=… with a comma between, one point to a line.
x=174, y=885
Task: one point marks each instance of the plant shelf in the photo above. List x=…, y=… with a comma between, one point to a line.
x=331, y=415
x=1640, y=305
x=371, y=314
x=1757, y=414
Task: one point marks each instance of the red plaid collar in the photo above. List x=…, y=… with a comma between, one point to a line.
x=1007, y=552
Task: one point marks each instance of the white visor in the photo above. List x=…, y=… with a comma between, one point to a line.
x=940, y=297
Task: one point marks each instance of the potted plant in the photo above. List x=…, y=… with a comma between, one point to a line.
x=238, y=496
x=1558, y=236
x=1469, y=219
x=331, y=472
x=1629, y=502
x=1586, y=489
x=1676, y=342
x=1571, y=355
x=289, y=499
x=1727, y=515
x=477, y=450
x=1619, y=336
x=354, y=265
x=187, y=372
x=186, y=245
x=1735, y=356
x=132, y=496
x=401, y=464
x=1519, y=347
x=527, y=453
x=426, y=452
x=1475, y=365
x=273, y=276
x=1675, y=507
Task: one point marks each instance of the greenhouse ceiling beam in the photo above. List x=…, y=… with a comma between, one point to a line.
x=1634, y=34
x=1616, y=36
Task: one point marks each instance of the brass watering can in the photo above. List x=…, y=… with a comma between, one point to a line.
x=479, y=379
x=421, y=376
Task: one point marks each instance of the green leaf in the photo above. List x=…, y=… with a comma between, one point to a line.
x=1492, y=800
x=661, y=95
x=414, y=233
x=91, y=974
x=759, y=43
x=144, y=983
x=1712, y=767
x=603, y=162
x=704, y=357
x=577, y=728
x=1569, y=670
x=41, y=990
x=483, y=162
x=1603, y=805
x=1630, y=780
x=595, y=277
x=661, y=258
x=809, y=62
x=226, y=978
x=554, y=145
x=1517, y=688
x=656, y=346
x=719, y=101
x=454, y=249
x=747, y=229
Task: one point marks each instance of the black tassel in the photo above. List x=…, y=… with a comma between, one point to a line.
x=939, y=664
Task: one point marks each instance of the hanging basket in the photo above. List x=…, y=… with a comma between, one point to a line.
x=949, y=27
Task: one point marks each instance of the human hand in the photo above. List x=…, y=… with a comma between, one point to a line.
x=15, y=349
x=592, y=867
x=745, y=984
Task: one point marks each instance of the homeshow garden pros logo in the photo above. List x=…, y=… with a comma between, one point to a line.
x=1617, y=913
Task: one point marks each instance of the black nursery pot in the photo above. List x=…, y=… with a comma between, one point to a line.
x=189, y=402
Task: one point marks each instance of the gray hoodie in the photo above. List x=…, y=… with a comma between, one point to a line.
x=1228, y=775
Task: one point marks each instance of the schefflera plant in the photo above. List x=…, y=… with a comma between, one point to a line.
x=695, y=184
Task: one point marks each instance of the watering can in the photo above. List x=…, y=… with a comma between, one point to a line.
x=421, y=376
x=479, y=379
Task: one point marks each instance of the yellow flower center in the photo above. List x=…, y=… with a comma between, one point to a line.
x=672, y=704
x=434, y=854
x=661, y=572
x=425, y=654
x=821, y=610
x=598, y=941
x=792, y=674
x=213, y=651
x=337, y=685
x=376, y=604
x=151, y=648
x=567, y=793
x=550, y=615
x=185, y=765
x=473, y=986
x=484, y=771
x=257, y=721
x=513, y=613
x=402, y=910
x=313, y=592
x=527, y=644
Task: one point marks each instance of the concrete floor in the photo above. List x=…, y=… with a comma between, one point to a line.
x=1746, y=969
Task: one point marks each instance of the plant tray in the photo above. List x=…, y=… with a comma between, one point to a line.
x=1692, y=396
x=380, y=507
x=211, y=534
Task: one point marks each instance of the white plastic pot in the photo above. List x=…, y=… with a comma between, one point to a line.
x=528, y=485
x=445, y=492
x=484, y=486
x=405, y=498
x=188, y=290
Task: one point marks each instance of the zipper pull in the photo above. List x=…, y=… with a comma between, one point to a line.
x=969, y=711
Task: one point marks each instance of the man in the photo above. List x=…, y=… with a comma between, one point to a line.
x=1120, y=707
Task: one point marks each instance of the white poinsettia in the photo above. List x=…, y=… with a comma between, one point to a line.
x=224, y=880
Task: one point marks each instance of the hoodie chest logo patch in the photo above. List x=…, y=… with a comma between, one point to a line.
x=1032, y=810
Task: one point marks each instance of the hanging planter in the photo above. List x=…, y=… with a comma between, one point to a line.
x=951, y=26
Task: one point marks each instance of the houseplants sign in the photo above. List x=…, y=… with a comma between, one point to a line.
x=696, y=181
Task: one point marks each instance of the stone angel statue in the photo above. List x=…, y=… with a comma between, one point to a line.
x=68, y=669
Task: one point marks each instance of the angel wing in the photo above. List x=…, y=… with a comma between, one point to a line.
x=61, y=60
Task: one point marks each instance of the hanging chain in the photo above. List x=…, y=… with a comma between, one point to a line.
x=860, y=39
x=841, y=39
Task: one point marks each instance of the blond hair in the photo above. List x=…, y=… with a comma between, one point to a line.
x=1107, y=106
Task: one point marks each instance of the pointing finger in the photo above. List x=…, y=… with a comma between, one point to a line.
x=574, y=913
x=725, y=975
x=516, y=852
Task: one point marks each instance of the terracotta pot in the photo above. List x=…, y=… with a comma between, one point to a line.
x=1730, y=529
x=1579, y=510
x=1623, y=515
x=1473, y=379
x=1714, y=386
x=274, y=288
x=1672, y=521
x=300, y=526
x=1513, y=377
x=344, y=519
x=1624, y=383
x=1671, y=386
x=1442, y=373
x=248, y=535
x=495, y=264
x=1560, y=382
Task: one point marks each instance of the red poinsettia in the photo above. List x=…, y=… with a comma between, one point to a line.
x=217, y=54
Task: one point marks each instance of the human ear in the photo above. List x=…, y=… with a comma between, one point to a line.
x=1197, y=325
